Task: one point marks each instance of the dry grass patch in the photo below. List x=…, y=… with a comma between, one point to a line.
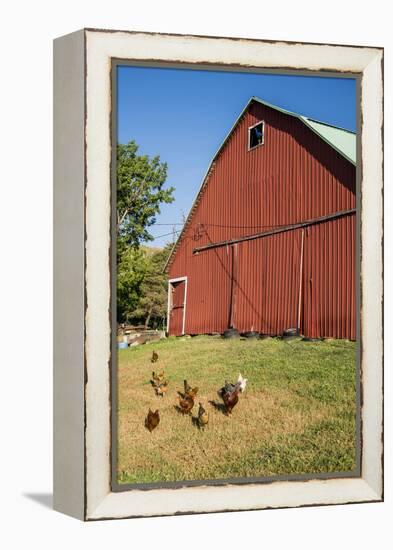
x=296, y=416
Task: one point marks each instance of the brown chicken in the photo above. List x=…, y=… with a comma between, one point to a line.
x=161, y=388
x=157, y=378
x=203, y=416
x=189, y=391
x=228, y=387
x=230, y=398
x=186, y=404
x=152, y=420
x=192, y=392
x=187, y=387
x=154, y=357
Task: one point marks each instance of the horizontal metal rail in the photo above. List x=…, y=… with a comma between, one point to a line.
x=276, y=230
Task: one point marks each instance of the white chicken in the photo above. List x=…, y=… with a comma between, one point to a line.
x=242, y=382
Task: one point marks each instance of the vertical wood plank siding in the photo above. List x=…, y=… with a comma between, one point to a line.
x=292, y=177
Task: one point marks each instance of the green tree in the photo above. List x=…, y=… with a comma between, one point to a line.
x=140, y=181
x=131, y=271
x=152, y=305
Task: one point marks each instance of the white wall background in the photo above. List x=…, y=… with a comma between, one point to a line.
x=26, y=305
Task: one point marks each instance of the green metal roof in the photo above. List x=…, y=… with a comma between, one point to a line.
x=344, y=141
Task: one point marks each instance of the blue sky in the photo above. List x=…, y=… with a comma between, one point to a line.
x=183, y=116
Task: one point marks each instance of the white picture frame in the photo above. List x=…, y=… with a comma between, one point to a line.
x=82, y=255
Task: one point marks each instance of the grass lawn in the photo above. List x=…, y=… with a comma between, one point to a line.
x=296, y=416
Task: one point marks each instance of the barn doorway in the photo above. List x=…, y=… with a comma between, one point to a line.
x=177, y=297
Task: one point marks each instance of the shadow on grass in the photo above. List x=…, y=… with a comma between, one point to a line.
x=195, y=422
x=180, y=411
x=219, y=407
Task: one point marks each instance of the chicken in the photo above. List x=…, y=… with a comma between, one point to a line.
x=230, y=400
x=192, y=392
x=187, y=387
x=157, y=378
x=229, y=397
x=203, y=416
x=189, y=391
x=161, y=388
x=154, y=357
x=228, y=387
x=186, y=404
x=152, y=420
x=242, y=382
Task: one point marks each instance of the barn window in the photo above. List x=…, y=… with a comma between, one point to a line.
x=256, y=135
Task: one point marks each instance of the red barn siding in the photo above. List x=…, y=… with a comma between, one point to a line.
x=294, y=176
x=268, y=284
x=208, y=299
x=329, y=300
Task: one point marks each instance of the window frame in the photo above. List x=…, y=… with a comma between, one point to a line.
x=249, y=135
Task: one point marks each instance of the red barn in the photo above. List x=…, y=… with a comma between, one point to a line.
x=270, y=240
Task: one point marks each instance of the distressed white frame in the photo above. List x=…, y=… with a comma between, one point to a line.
x=90, y=497
x=177, y=280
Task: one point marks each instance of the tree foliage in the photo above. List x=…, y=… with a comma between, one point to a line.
x=140, y=193
x=152, y=306
x=141, y=283
x=142, y=286
x=131, y=270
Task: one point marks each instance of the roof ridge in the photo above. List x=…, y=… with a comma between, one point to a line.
x=298, y=115
x=328, y=124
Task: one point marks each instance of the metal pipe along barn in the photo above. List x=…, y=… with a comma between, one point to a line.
x=270, y=240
